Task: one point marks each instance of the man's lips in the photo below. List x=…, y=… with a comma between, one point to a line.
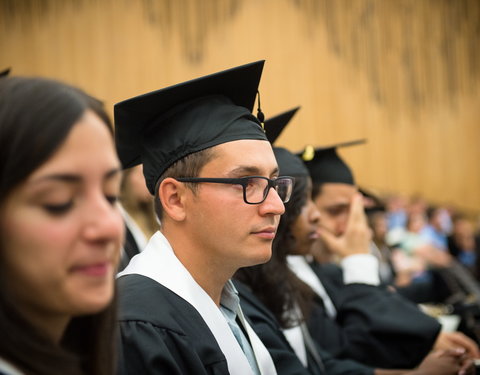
x=314, y=235
x=267, y=232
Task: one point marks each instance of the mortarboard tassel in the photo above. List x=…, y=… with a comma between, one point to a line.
x=260, y=115
x=309, y=153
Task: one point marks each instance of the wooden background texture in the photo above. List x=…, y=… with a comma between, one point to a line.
x=405, y=74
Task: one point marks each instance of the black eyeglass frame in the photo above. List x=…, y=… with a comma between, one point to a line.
x=243, y=181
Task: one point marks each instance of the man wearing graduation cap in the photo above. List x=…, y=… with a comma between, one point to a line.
x=209, y=164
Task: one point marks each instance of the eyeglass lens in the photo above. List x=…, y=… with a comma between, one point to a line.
x=256, y=190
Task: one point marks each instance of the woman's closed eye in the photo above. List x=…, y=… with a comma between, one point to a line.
x=58, y=209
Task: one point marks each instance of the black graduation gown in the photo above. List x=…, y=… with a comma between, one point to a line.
x=286, y=361
x=374, y=325
x=161, y=333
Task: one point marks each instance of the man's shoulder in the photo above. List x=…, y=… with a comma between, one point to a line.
x=165, y=329
x=145, y=300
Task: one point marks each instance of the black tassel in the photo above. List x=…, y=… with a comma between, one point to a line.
x=260, y=115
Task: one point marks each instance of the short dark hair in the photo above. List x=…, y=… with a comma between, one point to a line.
x=36, y=116
x=189, y=166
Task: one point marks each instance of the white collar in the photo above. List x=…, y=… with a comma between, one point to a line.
x=300, y=267
x=8, y=368
x=158, y=262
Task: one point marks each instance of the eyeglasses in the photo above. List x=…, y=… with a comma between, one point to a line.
x=255, y=188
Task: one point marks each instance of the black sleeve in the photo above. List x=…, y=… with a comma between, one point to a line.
x=149, y=350
x=376, y=327
x=146, y=349
x=162, y=334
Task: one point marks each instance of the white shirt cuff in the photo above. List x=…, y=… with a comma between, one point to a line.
x=360, y=269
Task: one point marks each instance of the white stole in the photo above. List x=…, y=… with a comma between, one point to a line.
x=294, y=336
x=158, y=262
x=299, y=265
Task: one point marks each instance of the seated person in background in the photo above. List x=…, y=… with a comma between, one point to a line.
x=273, y=296
x=396, y=211
x=438, y=227
x=368, y=316
x=61, y=230
x=378, y=223
x=464, y=245
x=138, y=213
x=218, y=197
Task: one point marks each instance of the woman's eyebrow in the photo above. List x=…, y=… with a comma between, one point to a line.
x=73, y=177
x=63, y=177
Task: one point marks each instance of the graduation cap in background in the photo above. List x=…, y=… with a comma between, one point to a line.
x=325, y=165
x=5, y=72
x=163, y=126
x=275, y=125
x=288, y=163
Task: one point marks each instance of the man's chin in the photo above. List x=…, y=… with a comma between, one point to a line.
x=321, y=253
x=260, y=257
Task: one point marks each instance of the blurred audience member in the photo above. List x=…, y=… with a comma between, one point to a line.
x=438, y=227
x=378, y=223
x=138, y=213
x=464, y=245
x=395, y=205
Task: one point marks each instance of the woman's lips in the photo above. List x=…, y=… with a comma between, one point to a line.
x=97, y=269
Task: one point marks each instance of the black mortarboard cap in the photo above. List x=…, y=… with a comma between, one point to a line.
x=275, y=125
x=325, y=165
x=289, y=164
x=163, y=126
x=5, y=72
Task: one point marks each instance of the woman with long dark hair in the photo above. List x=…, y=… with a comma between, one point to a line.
x=60, y=230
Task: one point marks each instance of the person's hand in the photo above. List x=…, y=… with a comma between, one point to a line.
x=467, y=364
x=441, y=363
x=357, y=236
x=457, y=340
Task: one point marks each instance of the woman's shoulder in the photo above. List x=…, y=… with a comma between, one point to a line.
x=6, y=368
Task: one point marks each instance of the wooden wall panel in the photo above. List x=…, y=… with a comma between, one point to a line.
x=404, y=74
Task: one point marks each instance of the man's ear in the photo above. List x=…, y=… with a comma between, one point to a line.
x=172, y=196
